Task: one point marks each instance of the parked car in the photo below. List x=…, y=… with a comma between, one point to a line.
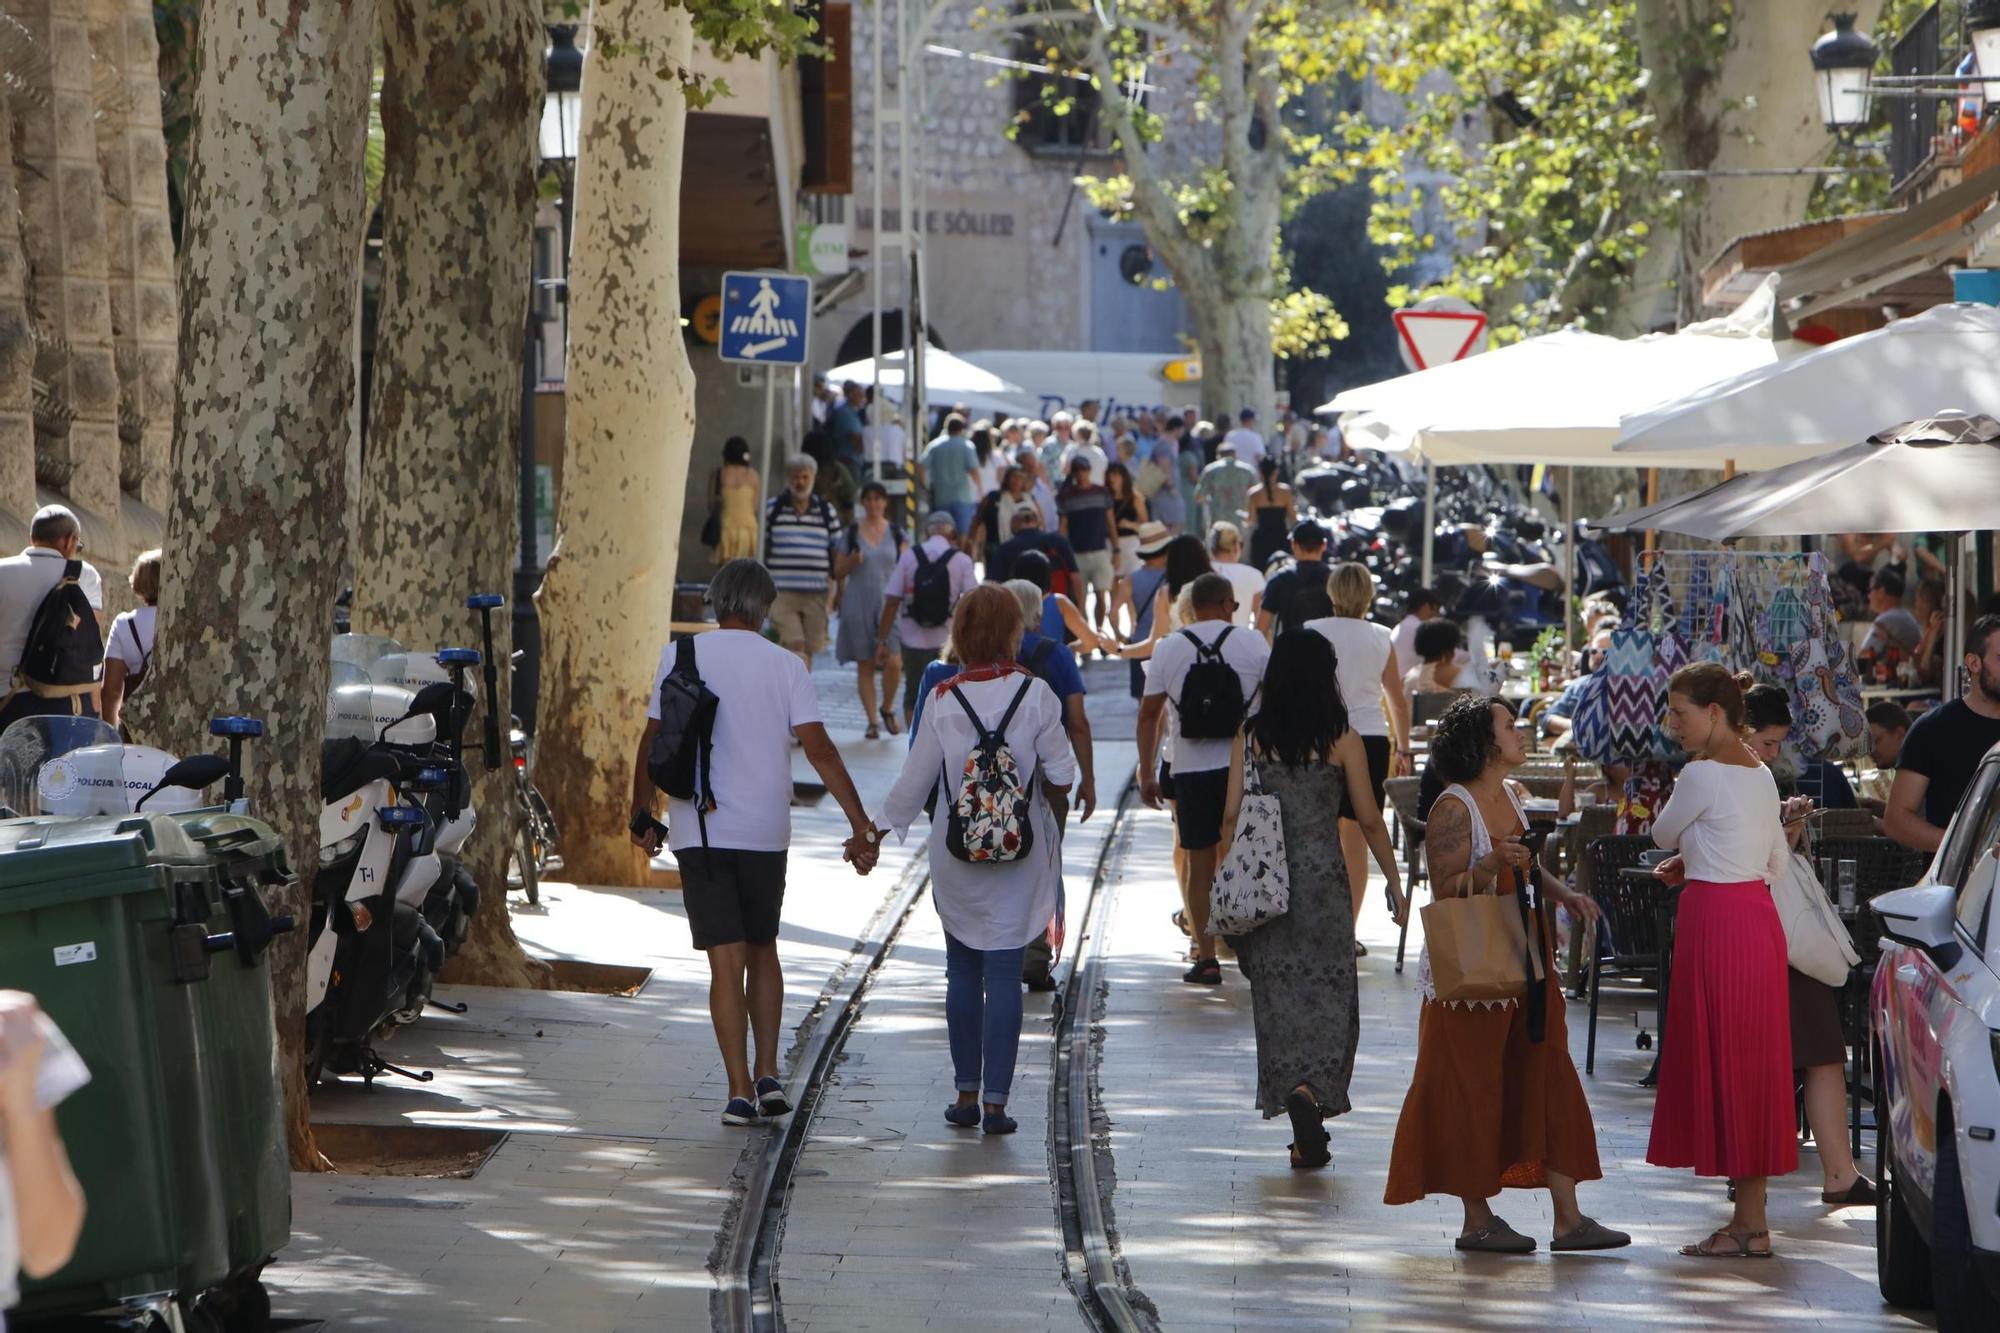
x=1935, y=1007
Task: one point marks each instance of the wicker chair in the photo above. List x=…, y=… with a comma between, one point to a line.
x=1631, y=913
x=1402, y=796
x=1540, y=787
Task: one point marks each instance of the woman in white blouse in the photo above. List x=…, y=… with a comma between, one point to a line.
x=991, y=912
x=1724, y=1102
x=1364, y=657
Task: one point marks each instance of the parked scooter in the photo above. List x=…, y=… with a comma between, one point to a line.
x=392, y=902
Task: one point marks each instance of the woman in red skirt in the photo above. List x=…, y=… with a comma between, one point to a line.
x=1724, y=1104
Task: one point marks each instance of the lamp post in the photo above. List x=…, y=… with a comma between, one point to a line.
x=562, y=110
x=1842, y=61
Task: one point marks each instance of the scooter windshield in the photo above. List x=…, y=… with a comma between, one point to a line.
x=413, y=671
x=28, y=745
x=364, y=650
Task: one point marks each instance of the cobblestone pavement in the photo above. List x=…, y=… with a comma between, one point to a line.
x=1220, y=1233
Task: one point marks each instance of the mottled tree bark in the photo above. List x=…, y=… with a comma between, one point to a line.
x=461, y=102
x=267, y=372
x=1731, y=90
x=606, y=597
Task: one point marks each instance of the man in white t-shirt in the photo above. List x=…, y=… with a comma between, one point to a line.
x=1085, y=446
x=54, y=539
x=1225, y=554
x=41, y=1204
x=1199, y=767
x=732, y=855
x=1249, y=444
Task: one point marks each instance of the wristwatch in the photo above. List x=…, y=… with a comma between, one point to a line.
x=872, y=836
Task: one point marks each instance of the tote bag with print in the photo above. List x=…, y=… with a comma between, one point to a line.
x=1253, y=884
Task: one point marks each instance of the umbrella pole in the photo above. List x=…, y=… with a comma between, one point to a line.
x=1652, y=498
x=1569, y=566
x=1429, y=535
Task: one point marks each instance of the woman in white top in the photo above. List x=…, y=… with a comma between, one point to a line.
x=1724, y=1102
x=128, y=650
x=991, y=912
x=1365, y=666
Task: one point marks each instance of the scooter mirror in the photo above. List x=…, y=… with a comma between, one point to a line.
x=196, y=772
x=432, y=698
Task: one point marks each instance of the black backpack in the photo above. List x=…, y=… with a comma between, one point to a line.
x=1212, y=706
x=930, y=589
x=64, y=646
x=684, y=743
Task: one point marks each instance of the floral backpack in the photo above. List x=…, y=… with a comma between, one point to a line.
x=988, y=821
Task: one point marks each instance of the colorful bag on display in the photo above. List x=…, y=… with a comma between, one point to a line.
x=1590, y=724
x=1785, y=627
x=1633, y=682
x=1827, y=717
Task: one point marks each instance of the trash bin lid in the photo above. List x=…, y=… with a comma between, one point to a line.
x=90, y=857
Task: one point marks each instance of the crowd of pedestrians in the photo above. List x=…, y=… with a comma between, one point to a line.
x=1278, y=694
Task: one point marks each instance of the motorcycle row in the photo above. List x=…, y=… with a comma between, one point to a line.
x=392, y=899
x=1489, y=538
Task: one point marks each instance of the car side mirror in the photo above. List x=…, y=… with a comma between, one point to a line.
x=1920, y=916
x=195, y=772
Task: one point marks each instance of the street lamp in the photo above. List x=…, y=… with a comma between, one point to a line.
x=1982, y=26
x=1842, y=61
x=562, y=115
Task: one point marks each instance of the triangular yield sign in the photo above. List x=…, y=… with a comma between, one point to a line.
x=1435, y=337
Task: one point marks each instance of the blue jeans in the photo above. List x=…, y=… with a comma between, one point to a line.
x=982, y=1012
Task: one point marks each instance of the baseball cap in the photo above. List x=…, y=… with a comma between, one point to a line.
x=1309, y=533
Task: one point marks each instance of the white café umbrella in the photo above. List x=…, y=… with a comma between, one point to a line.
x=1831, y=395
x=1559, y=398
x=947, y=379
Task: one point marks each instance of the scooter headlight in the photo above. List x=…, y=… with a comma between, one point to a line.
x=340, y=851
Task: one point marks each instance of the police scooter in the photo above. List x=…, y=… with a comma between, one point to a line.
x=372, y=953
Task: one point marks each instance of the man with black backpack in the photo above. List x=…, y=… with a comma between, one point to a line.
x=1209, y=674
x=924, y=588
x=725, y=708
x=50, y=642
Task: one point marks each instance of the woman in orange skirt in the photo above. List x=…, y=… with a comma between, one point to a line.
x=1489, y=1107
x=1724, y=1104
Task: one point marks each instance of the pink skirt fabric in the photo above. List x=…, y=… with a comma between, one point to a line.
x=1724, y=1103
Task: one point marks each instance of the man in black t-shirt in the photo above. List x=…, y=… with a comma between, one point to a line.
x=1309, y=550
x=1945, y=745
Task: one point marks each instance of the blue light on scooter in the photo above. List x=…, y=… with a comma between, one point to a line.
x=485, y=601
x=400, y=816
x=427, y=778
x=235, y=726
x=451, y=657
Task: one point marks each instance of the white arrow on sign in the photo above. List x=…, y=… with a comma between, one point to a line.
x=1438, y=330
x=752, y=350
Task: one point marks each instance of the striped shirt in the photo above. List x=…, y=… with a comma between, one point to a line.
x=798, y=548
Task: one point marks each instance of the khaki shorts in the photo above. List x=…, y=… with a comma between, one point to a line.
x=1093, y=570
x=800, y=619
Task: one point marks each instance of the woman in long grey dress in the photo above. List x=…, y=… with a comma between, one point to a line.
x=1301, y=965
x=867, y=556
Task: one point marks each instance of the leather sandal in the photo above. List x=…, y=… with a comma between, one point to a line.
x=1740, y=1240
x=1309, y=1136
x=1860, y=1194
x=1496, y=1237
x=1590, y=1234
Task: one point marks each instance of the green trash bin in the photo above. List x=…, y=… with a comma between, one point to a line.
x=134, y=933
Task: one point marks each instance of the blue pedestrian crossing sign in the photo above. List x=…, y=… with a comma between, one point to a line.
x=764, y=318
